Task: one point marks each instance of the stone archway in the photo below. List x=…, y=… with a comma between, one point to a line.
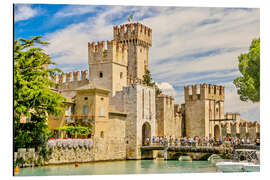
x=146, y=133
x=217, y=131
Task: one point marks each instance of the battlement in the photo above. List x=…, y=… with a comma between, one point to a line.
x=70, y=77
x=110, y=51
x=165, y=96
x=133, y=33
x=207, y=91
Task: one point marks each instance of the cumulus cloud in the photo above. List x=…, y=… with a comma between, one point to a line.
x=24, y=12
x=190, y=45
x=167, y=89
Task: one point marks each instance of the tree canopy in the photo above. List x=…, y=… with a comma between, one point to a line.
x=33, y=97
x=248, y=85
x=147, y=79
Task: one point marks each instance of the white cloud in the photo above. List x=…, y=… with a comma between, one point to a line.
x=248, y=110
x=181, y=36
x=74, y=10
x=69, y=45
x=24, y=12
x=167, y=89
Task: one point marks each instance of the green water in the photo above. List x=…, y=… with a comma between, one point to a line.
x=122, y=167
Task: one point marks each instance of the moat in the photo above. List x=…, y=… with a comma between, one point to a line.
x=122, y=167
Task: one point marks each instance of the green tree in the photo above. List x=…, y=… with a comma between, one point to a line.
x=147, y=79
x=33, y=97
x=248, y=85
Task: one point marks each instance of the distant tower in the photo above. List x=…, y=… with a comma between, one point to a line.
x=138, y=38
x=108, y=65
x=201, y=108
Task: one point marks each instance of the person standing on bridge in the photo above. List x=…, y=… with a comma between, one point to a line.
x=161, y=140
x=157, y=140
x=153, y=140
x=248, y=141
x=242, y=141
x=165, y=141
x=176, y=141
x=170, y=141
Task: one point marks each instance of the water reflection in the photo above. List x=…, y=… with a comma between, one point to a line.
x=122, y=167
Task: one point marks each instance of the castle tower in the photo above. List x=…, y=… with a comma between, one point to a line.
x=108, y=65
x=202, y=108
x=138, y=38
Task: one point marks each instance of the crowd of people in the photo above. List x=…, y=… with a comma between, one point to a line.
x=197, y=141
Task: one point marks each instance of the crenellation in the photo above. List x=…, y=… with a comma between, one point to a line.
x=68, y=77
x=109, y=51
x=84, y=75
x=62, y=78
x=194, y=92
x=133, y=31
x=207, y=91
x=76, y=76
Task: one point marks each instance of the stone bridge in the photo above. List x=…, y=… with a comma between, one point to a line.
x=196, y=152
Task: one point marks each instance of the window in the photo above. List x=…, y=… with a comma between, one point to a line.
x=101, y=111
x=102, y=134
x=85, y=98
x=85, y=109
x=68, y=111
x=217, y=109
x=121, y=75
x=100, y=74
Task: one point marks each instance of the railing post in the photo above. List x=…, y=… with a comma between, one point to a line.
x=165, y=153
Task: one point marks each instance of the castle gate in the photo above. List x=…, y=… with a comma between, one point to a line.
x=216, y=131
x=146, y=133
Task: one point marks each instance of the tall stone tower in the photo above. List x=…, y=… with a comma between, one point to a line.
x=201, y=108
x=108, y=65
x=138, y=38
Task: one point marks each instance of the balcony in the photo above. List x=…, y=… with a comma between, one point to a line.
x=79, y=119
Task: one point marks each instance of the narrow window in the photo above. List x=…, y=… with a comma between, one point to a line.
x=85, y=109
x=101, y=111
x=121, y=75
x=100, y=74
x=102, y=134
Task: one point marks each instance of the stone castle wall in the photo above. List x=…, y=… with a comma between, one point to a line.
x=139, y=103
x=168, y=120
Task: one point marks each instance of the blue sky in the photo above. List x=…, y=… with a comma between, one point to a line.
x=190, y=45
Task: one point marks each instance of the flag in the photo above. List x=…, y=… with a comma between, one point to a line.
x=130, y=17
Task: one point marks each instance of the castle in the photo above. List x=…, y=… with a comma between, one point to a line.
x=125, y=111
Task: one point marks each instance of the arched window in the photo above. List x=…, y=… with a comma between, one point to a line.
x=101, y=74
x=101, y=111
